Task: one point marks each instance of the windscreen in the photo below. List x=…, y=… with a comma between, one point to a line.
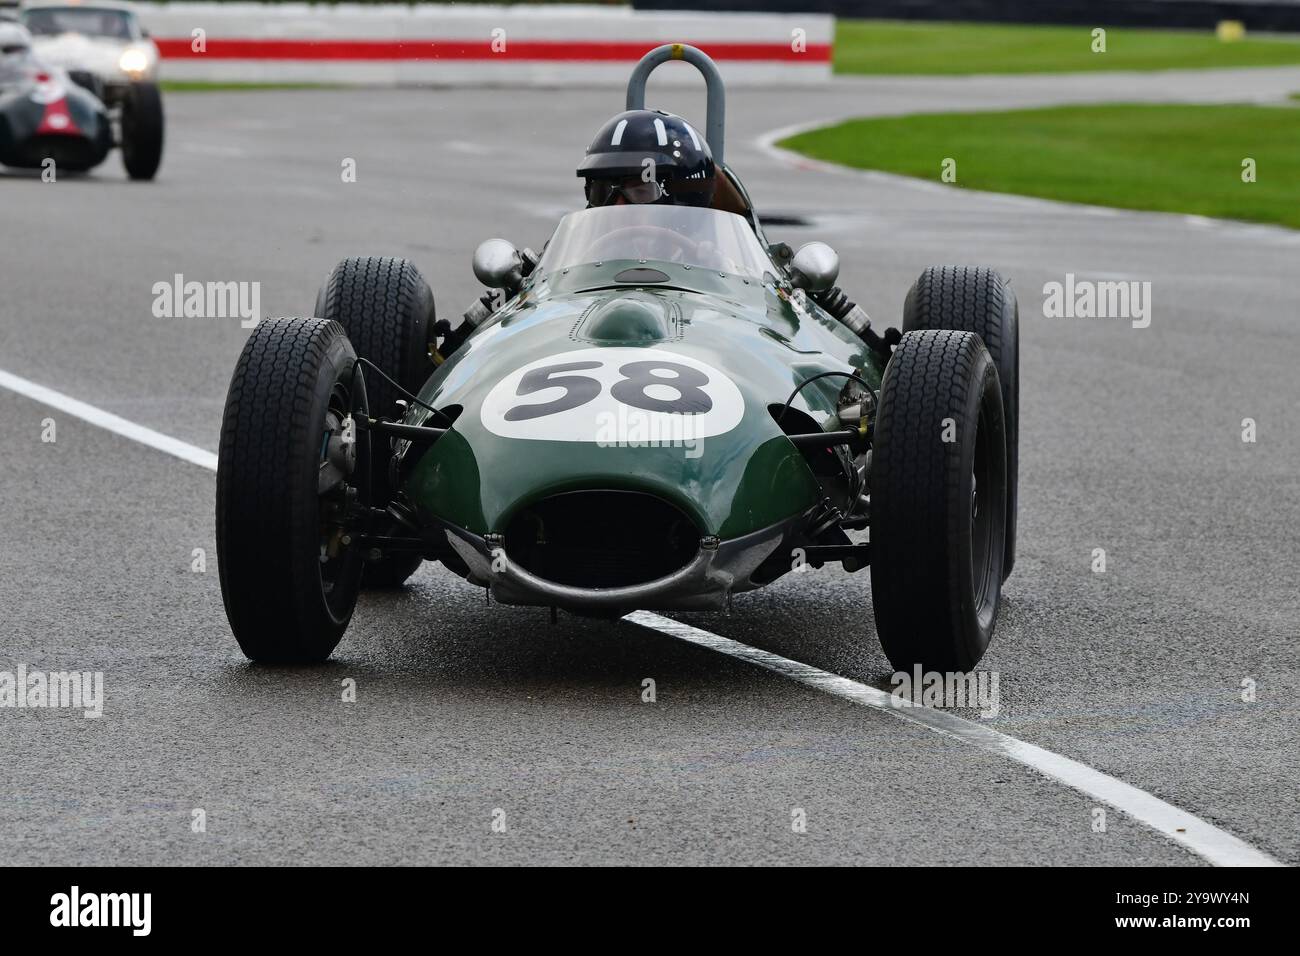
x=683, y=235
x=88, y=21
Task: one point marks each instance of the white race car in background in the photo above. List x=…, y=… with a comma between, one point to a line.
x=101, y=44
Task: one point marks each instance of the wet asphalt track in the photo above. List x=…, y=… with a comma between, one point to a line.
x=1130, y=441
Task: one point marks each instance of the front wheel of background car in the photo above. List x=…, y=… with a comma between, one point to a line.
x=289, y=468
x=938, y=502
x=979, y=300
x=386, y=307
x=142, y=130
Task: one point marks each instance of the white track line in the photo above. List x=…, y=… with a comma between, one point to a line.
x=1205, y=840
x=97, y=416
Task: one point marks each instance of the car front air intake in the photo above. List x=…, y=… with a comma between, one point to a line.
x=601, y=538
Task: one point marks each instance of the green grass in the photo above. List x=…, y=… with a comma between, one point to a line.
x=888, y=46
x=1170, y=158
x=219, y=86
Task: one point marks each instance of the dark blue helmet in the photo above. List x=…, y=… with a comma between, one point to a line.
x=644, y=156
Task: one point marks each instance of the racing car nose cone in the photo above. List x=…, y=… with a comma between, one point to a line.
x=57, y=120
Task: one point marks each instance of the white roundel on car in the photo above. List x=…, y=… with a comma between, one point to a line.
x=614, y=396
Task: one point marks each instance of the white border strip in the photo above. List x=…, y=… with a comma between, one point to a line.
x=120, y=426
x=1205, y=840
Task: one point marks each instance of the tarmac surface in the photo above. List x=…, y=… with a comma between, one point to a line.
x=1131, y=441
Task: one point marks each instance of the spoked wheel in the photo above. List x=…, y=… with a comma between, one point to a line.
x=973, y=299
x=386, y=307
x=293, y=469
x=938, y=502
x=340, y=564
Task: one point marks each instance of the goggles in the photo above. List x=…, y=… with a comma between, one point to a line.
x=605, y=192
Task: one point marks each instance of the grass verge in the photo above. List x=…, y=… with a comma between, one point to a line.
x=1171, y=158
x=894, y=47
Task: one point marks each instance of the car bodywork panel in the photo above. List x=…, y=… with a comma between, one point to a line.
x=741, y=481
x=52, y=119
x=749, y=487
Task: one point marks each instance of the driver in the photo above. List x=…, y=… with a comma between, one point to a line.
x=15, y=41
x=637, y=157
x=15, y=52
x=651, y=156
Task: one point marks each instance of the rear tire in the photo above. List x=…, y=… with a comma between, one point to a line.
x=142, y=130
x=386, y=307
x=979, y=300
x=288, y=582
x=938, y=502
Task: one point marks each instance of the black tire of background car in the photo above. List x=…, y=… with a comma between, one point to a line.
x=273, y=578
x=971, y=299
x=386, y=307
x=936, y=556
x=142, y=130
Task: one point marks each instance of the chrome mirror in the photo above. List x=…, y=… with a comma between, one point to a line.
x=815, y=267
x=498, y=265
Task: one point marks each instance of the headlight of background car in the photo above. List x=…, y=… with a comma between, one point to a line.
x=133, y=61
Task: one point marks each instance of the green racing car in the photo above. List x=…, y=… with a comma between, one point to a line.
x=661, y=410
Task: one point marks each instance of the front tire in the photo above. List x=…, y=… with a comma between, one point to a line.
x=979, y=300
x=285, y=481
x=142, y=130
x=938, y=502
x=386, y=307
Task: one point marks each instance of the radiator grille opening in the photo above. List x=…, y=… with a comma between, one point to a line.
x=601, y=539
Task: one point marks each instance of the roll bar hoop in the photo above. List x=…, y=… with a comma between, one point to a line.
x=715, y=118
